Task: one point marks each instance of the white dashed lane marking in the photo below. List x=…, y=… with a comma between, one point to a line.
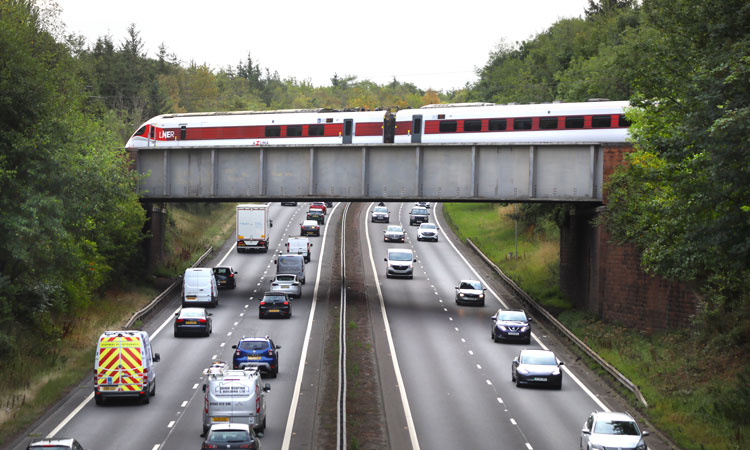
x=171, y=424
x=184, y=404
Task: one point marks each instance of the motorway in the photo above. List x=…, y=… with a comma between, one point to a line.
x=455, y=379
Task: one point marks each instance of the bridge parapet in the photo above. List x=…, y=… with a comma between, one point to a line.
x=569, y=172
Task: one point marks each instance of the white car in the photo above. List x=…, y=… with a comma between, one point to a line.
x=612, y=430
x=394, y=233
x=288, y=284
x=470, y=292
x=422, y=204
x=427, y=232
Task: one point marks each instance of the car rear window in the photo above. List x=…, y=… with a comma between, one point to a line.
x=228, y=436
x=191, y=313
x=253, y=345
x=221, y=270
x=274, y=298
x=285, y=277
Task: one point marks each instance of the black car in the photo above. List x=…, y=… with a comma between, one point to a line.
x=275, y=304
x=317, y=215
x=225, y=277
x=511, y=325
x=231, y=435
x=288, y=203
x=418, y=215
x=192, y=321
x=258, y=352
x=540, y=367
x=309, y=228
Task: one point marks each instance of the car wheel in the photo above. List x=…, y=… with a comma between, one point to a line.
x=518, y=382
x=387, y=275
x=275, y=373
x=153, y=391
x=559, y=387
x=263, y=427
x=411, y=277
x=482, y=304
x=260, y=316
x=99, y=400
x=512, y=377
x=495, y=338
x=528, y=341
x=176, y=334
x=146, y=399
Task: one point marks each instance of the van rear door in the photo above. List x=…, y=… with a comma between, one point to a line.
x=120, y=364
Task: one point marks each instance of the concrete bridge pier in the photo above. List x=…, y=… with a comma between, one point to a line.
x=154, y=229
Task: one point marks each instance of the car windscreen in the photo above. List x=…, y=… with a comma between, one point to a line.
x=418, y=211
x=228, y=436
x=542, y=359
x=380, y=209
x=470, y=285
x=50, y=447
x=395, y=228
x=428, y=226
x=616, y=427
x=517, y=316
x=253, y=345
x=399, y=256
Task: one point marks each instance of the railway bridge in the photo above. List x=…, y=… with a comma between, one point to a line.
x=598, y=275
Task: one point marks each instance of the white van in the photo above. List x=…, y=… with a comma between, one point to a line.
x=234, y=396
x=124, y=366
x=299, y=245
x=199, y=287
x=399, y=263
x=293, y=264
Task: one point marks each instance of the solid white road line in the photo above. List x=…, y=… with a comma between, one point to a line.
x=301, y=370
x=494, y=294
x=399, y=379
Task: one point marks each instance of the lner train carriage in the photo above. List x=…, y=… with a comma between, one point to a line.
x=454, y=123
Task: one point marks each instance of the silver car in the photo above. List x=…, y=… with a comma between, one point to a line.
x=380, y=214
x=470, y=292
x=612, y=430
x=288, y=284
x=394, y=233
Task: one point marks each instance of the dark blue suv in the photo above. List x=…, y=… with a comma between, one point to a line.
x=258, y=352
x=511, y=325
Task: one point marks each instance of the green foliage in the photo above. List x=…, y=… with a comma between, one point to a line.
x=682, y=200
x=70, y=212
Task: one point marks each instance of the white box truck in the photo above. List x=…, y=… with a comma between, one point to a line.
x=253, y=227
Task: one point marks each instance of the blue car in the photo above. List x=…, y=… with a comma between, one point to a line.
x=258, y=352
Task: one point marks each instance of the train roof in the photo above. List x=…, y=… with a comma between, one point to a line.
x=478, y=110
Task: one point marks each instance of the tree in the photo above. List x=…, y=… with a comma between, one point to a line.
x=683, y=200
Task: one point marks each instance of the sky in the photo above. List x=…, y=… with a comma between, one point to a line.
x=433, y=44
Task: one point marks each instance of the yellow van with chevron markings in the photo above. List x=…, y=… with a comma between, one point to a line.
x=124, y=366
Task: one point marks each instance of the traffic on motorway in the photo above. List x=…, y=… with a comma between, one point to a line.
x=224, y=381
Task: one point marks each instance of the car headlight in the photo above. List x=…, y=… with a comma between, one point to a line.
x=524, y=328
x=598, y=447
x=523, y=371
x=461, y=294
x=556, y=371
x=481, y=295
x=502, y=328
x=641, y=446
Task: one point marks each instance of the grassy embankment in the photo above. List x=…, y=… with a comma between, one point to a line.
x=680, y=376
x=31, y=384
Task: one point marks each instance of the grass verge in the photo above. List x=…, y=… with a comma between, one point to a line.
x=683, y=378
x=43, y=372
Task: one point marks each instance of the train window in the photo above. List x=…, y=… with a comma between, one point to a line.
x=521, y=124
x=448, y=126
x=417, y=125
x=183, y=132
x=273, y=131
x=348, y=124
x=294, y=130
x=601, y=121
x=548, y=123
x=574, y=122
x=152, y=132
x=472, y=125
x=315, y=130
x=498, y=124
x=624, y=122
x=141, y=131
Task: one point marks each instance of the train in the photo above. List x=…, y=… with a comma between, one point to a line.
x=584, y=122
